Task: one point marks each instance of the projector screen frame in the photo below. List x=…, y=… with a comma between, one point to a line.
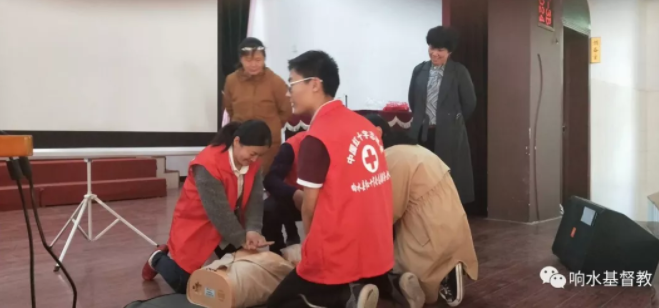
x=115, y=139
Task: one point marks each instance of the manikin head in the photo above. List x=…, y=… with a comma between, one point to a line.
x=248, y=140
x=252, y=56
x=442, y=41
x=314, y=80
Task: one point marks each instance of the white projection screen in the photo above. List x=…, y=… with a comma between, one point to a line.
x=376, y=43
x=109, y=65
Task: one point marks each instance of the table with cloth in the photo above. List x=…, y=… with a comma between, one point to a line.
x=400, y=120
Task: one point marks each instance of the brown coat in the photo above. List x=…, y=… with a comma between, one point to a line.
x=262, y=97
x=432, y=231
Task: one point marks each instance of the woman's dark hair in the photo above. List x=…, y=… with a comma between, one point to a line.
x=251, y=133
x=249, y=46
x=442, y=37
x=389, y=136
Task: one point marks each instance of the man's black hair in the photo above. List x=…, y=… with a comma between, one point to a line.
x=442, y=37
x=316, y=63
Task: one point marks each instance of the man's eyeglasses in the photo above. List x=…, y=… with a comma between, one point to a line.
x=290, y=85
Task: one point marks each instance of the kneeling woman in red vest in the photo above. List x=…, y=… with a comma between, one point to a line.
x=221, y=204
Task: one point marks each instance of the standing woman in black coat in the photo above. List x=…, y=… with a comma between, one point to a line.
x=442, y=98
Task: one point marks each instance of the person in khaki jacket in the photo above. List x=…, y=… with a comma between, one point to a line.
x=432, y=238
x=254, y=92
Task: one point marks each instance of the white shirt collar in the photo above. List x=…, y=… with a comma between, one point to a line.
x=321, y=107
x=243, y=169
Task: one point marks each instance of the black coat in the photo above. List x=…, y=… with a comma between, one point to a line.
x=456, y=103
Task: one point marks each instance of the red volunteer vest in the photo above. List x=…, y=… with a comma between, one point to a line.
x=294, y=141
x=350, y=236
x=192, y=237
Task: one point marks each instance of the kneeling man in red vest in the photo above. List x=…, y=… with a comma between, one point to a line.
x=348, y=253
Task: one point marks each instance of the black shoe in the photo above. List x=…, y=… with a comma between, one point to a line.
x=363, y=296
x=292, y=235
x=451, y=288
x=292, y=240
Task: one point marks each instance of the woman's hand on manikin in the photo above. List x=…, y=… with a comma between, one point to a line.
x=254, y=240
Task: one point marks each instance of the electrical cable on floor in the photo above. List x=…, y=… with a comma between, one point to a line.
x=26, y=169
x=15, y=174
x=17, y=170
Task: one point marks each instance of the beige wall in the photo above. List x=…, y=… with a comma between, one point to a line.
x=651, y=43
x=624, y=133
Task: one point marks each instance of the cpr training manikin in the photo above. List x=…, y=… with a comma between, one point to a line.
x=243, y=279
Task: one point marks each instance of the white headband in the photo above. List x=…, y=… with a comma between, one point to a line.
x=260, y=48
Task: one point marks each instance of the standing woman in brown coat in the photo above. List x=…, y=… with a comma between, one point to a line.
x=254, y=92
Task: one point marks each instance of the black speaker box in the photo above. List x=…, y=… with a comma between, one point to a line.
x=592, y=238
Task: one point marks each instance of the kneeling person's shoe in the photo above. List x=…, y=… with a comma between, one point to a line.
x=292, y=240
x=363, y=296
x=452, y=288
x=411, y=288
x=148, y=273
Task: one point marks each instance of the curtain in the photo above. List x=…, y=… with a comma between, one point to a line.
x=233, y=21
x=220, y=73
